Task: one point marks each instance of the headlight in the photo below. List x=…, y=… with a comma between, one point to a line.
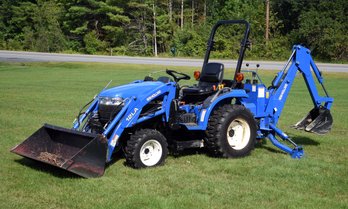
x=115, y=101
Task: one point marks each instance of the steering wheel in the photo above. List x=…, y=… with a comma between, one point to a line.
x=174, y=74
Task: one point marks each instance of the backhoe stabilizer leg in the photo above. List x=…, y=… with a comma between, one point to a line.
x=296, y=152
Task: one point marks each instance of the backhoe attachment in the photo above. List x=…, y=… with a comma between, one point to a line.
x=318, y=120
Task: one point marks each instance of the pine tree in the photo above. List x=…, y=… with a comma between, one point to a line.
x=100, y=20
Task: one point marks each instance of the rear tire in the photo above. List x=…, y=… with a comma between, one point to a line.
x=146, y=148
x=231, y=132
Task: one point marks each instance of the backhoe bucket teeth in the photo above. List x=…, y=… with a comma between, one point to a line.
x=318, y=120
x=81, y=153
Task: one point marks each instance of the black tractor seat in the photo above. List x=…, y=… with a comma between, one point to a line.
x=211, y=77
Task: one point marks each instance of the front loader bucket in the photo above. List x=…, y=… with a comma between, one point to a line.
x=318, y=120
x=81, y=153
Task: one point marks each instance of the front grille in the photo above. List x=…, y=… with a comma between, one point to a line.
x=107, y=112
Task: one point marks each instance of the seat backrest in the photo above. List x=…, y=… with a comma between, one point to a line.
x=212, y=74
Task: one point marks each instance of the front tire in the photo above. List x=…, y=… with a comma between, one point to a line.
x=146, y=148
x=231, y=132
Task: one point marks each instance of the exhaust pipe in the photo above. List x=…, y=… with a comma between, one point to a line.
x=81, y=153
x=318, y=120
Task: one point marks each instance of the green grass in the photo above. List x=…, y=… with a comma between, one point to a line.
x=34, y=93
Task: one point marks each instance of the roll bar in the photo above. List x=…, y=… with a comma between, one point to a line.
x=244, y=44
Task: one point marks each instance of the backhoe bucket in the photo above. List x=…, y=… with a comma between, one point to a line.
x=81, y=153
x=318, y=120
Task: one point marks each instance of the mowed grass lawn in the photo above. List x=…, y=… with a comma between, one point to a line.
x=35, y=93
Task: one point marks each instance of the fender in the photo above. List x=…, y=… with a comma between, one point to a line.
x=209, y=106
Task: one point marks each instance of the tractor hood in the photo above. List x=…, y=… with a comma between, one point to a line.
x=141, y=89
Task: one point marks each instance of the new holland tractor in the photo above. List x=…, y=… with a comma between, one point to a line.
x=147, y=117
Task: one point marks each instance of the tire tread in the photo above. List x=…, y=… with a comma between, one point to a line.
x=215, y=138
x=135, y=142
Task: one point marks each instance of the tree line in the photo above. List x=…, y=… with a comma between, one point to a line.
x=174, y=27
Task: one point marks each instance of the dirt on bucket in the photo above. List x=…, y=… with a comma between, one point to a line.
x=51, y=158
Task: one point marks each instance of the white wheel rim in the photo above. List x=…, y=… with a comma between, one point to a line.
x=151, y=152
x=238, y=134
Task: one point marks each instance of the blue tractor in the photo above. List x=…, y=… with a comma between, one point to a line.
x=148, y=117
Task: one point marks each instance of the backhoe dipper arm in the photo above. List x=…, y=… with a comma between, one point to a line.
x=300, y=61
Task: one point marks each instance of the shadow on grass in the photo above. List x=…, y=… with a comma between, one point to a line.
x=59, y=172
x=115, y=158
x=270, y=149
x=188, y=152
x=299, y=140
x=52, y=170
x=176, y=154
x=303, y=140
